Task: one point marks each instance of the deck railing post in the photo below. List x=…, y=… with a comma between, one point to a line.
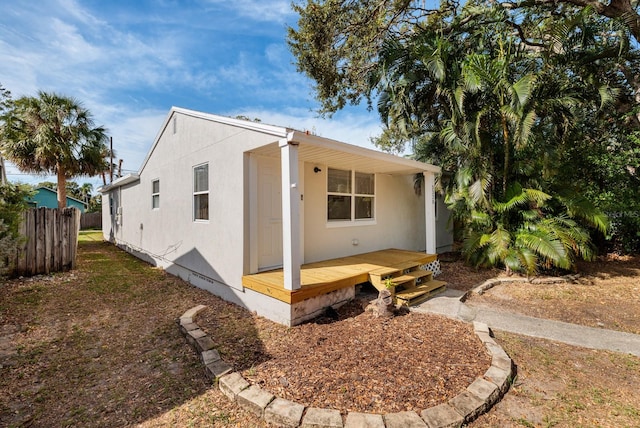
x=430, y=211
x=290, y=214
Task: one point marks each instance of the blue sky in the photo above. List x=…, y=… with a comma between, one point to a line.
x=130, y=61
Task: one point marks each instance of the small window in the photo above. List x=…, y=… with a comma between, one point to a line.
x=347, y=202
x=201, y=192
x=155, y=194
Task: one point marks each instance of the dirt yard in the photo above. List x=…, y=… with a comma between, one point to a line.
x=99, y=347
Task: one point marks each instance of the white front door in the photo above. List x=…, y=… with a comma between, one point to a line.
x=269, y=214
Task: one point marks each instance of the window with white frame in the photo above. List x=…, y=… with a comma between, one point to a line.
x=201, y=192
x=155, y=194
x=350, y=195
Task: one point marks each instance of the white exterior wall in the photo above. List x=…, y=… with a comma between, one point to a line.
x=399, y=219
x=215, y=254
x=214, y=248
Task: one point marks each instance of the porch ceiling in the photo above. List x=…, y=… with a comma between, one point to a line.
x=322, y=151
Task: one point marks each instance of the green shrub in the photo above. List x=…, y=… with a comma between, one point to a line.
x=12, y=205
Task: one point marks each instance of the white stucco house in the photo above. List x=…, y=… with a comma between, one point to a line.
x=254, y=213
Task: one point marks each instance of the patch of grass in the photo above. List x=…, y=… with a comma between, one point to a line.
x=90, y=236
x=525, y=423
x=29, y=296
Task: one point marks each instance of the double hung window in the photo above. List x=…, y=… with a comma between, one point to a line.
x=350, y=195
x=155, y=194
x=201, y=192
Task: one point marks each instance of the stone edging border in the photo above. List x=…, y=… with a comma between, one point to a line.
x=478, y=398
x=492, y=282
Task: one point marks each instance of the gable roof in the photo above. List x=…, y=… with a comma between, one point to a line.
x=313, y=149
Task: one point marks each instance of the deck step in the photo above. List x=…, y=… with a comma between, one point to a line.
x=421, y=276
x=384, y=271
x=420, y=293
x=410, y=265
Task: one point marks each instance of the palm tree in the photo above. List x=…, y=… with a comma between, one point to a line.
x=54, y=134
x=85, y=190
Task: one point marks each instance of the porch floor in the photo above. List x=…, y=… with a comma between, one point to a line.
x=329, y=275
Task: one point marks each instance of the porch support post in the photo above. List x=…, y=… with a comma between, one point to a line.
x=290, y=214
x=430, y=211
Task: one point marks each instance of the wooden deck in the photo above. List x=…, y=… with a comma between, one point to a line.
x=329, y=275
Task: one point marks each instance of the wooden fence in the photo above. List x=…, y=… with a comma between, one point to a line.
x=51, y=241
x=91, y=221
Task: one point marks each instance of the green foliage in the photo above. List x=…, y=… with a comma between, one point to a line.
x=531, y=229
x=496, y=94
x=5, y=99
x=12, y=205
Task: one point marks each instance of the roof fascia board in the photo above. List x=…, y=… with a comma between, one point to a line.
x=125, y=179
x=305, y=138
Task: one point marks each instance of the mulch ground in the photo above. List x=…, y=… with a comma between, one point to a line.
x=355, y=361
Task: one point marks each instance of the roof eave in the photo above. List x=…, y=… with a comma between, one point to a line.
x=122, y=181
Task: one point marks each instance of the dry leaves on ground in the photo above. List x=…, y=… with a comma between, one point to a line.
x=602, y=297
x=357, y=362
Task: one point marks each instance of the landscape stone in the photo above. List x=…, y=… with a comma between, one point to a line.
x=363, y=420
x=232, y=384
x=442, y=416
x=217, y=369
x=185, y=320
x=209, y=356
x=485, y=337
x=484, y=390
x=404, y=420
x=184, y=328
x=193, y=312
x=502, y=363
x=254, y=399
x=204, y=344
x=283, y=413
x=321, y=418
x=468, y=405
x=197, y=333
x=499, y=377
x=496, y=350
x=480, y=327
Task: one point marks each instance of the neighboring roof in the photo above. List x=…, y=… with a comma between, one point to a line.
x=56, y=193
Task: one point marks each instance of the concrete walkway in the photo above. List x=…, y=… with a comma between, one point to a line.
x=449, y=304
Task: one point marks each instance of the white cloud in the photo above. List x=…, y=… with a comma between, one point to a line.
x=259, y=10
x=244, y=72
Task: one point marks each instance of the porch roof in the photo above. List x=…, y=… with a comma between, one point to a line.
x=324, y=151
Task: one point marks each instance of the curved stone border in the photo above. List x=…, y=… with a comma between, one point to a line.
x=492, y=282
x=478, y=398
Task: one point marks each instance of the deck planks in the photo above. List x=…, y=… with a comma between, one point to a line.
x=330, y=275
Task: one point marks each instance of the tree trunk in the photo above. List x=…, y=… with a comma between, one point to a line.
x=507, y=154
x=383, y=306
x=62, y=187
